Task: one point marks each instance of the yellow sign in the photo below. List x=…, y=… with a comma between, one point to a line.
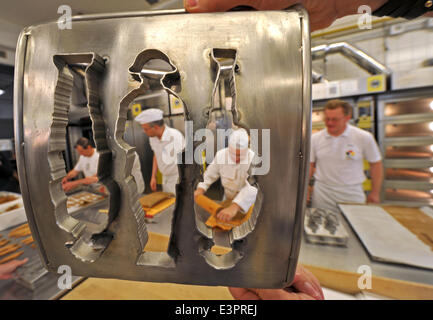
x=364, y=104
x=159, y=177
x=376, y=83
x=136, y=109
x=364, y=122
x=176, y=105
x=367, y=185
x=366, y=165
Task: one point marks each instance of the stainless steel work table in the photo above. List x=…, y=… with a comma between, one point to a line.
x=336, y=259
x=350, y=258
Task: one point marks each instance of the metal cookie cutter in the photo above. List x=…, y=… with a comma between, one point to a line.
x=268, y=81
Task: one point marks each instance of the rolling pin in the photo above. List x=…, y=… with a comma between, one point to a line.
x=208, y=204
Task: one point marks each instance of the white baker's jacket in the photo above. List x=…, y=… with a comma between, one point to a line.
x=233, y=178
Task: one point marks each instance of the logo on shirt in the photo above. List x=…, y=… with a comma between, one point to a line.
x=350, y=155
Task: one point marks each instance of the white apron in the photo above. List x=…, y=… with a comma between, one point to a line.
x=327, y=197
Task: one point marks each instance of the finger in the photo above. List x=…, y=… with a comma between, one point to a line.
x=315, y=282
x=243, y=294
x=224, y=217
x=308, y=288
x=305, y=280
x=11, y=266
x=19, y=263
x=311, y=277
x=225, y=5
x=280, y=294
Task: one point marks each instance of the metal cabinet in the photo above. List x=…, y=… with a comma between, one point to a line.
x=405, y=131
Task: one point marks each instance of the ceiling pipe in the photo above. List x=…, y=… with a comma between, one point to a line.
x=318, y=77
x=354, y=54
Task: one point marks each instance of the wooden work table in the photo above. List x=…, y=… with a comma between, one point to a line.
x=335, y=267
x=113, y=289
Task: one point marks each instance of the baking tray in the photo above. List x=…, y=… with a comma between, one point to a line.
x=91, y=199
x=317, y=230
x=385, y=239
x=14, y=217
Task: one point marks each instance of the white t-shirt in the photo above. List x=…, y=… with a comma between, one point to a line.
x=172, y=142
x=88, y=165
x=339, y=160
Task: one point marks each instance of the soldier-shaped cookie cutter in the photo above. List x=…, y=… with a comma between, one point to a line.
x=269, y=84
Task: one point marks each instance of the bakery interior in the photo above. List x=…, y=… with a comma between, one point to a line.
x=384, y=71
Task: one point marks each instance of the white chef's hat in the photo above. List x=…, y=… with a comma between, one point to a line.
x=149, y=115
x=239, y=139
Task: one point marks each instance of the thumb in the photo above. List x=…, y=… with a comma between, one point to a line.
x=210, y=5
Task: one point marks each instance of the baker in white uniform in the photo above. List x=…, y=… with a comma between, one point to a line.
x=88, y=164
x=337, y=154
x=166, y=143
x=232, y=166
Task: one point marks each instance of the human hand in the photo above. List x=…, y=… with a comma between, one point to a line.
x=68, y=186
x=198, y=192
x=373, y=197
x=322, y=13
x=102, y=190
x=64, y=180
x=7, y=269
x=228, y=213
x=153, y=184
x=305, y=286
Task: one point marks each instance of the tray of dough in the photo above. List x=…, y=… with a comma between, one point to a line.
x=83, y=199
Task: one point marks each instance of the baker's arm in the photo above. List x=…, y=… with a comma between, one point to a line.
x=211, y=175
x=74, y=184
x=310, y=176
x=154, y=172
x=71, y=175
x=246, y=197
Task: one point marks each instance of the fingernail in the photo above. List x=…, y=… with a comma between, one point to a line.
x=191, y=3
x=311, y=291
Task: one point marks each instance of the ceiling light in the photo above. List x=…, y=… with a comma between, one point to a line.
x=431, y=169
x=431, y=105
x=431, y=126
x=1, y=92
